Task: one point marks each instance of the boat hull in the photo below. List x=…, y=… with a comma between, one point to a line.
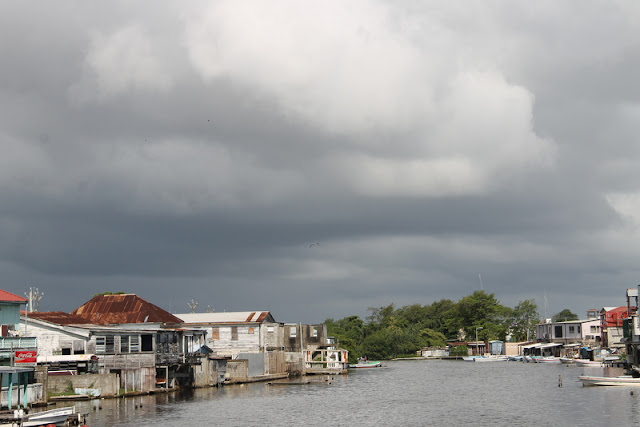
x=609, y=381
x=54, y=416
x=365, y=365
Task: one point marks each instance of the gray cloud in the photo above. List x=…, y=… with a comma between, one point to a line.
x=195, y=151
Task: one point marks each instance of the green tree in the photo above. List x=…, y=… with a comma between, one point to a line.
x=349, y=332
x=525, y=317
x=482, y=310
x=564, y=316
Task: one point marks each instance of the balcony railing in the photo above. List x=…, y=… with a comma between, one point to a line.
x=8, y=343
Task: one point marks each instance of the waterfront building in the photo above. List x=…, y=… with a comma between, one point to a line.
x=145, y=346
x=631, y=330
x=585, y=331
x=611, y=320
x=269, y=347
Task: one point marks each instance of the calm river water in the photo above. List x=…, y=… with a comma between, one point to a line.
x=405, y=393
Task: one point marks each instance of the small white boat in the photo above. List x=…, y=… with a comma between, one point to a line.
x=587, y=362
x=53, y=416
x=485, y=358
x=363, y=365
x=547, y=359
x=625, y=380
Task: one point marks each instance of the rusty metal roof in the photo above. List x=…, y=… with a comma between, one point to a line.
x=122, y=308
x=9, y=297
x=58, y=317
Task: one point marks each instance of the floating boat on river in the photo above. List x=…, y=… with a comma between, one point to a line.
x=587, y=362
x=370, y=364
x=485, y=358
x=44, y=418
x=625, y=380
x=550, y=359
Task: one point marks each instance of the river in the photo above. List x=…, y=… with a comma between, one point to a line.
x=404, y=393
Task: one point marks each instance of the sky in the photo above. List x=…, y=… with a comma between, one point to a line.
x=315, y=159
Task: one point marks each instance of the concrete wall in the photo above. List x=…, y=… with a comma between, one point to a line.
x=107, y=383
x=34, y=394
x=237, y=370
x=272, y=336
x=206, y=373
x=294, y=363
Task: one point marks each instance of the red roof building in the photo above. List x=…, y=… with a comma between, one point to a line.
x=122, y=309
x=9, y=297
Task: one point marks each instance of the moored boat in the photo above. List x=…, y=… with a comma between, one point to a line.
x=587, y=362
x=625, y=380
x=369, y=364
x=550, y=359
x=53, y=416
x=496, y=358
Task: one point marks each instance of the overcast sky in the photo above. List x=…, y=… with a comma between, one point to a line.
x=198, y=150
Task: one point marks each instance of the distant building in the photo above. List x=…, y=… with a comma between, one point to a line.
x=271, y=347
x=10, y=306
x=611, y=325
x=13, y=348
x=586, y=332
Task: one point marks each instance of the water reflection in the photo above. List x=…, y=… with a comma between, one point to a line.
x=402, y=394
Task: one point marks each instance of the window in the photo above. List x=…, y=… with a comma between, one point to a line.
x=100, y=345
x=292, y=332
x=594, y=329
x=572, y=329
x=147, y=342
x=134, y=343
x=234, y=333
x=270, y=329
x=314, y=331
x=124, y=344
x=558, y=331
x=105, y=345
x=215, y=333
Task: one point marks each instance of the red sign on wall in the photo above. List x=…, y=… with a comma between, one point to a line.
x=26, y=356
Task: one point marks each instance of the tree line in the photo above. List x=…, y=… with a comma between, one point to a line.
x=390, y=332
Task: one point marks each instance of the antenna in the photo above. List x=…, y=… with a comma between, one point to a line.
x=34, y=296
x=546, y=305
x=192, y=305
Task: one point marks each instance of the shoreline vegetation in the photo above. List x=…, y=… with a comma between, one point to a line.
x=391, y=333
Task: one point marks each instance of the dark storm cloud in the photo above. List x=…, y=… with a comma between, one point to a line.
x=196, y=151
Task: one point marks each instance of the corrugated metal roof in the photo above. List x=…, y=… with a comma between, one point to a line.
x=9, y=297
x=123, y=308
x=58, y=318
x=227, y=317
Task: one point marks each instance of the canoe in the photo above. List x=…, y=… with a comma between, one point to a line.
x=624, y=380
